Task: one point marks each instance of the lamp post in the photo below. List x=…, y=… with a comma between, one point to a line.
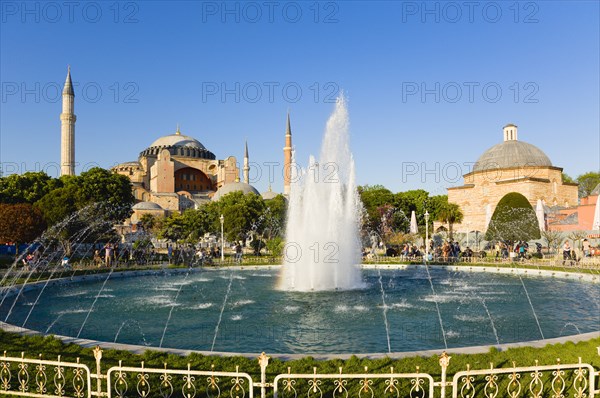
x=426, y=235
x=222, y=219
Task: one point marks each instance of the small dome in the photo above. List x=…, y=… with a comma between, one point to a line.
x=177, y=140
x=269, y=195
x=234, y=187
x=147, y=206
x=511, y=154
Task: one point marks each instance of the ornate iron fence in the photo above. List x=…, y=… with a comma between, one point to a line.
x=25, y=377
x=20, y=376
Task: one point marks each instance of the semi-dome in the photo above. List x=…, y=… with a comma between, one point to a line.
x=234, y=187
x=511, y=153
x=147, y=206
x=178, y=145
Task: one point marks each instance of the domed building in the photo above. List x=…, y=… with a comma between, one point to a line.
x=236, y=186
x=177, y=172
x=510, y=166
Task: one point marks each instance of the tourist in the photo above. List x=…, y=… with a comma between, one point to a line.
x=65, y=262
x=521, y=247
x=238, y=252
x=107, y=254
x=97, y=258
x=446, y=249
x=169, y=252
x=566, y=252
x=586, y=248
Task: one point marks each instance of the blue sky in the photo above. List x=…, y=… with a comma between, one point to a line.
x=430, y=84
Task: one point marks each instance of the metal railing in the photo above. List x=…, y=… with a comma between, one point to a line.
x=48, y=378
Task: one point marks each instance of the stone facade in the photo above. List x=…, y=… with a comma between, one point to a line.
x=177, y=172
x=526, y=171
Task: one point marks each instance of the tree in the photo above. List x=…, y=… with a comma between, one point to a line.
x=552, y=238
x=275, y=246
x=274, y=217
x=20, y=223
x=26, y=188
x=568, y=179
x=514, y=219
x=450, y=214
x=372, y=198
x=241, y=213
x=57, y=204
x=100, y=185
x=587, y=183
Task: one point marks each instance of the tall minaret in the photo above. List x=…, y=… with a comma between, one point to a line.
x=67, y=129
x=246, y=165
x=287, y=158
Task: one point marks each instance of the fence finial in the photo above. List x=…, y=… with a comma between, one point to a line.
x=444, y=360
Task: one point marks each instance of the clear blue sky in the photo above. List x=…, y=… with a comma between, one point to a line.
x=142, y=67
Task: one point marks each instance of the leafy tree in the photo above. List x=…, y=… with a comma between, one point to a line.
x=26, y=188
x=173, y=228
x=241, y=214
x=414, y=200
x=20, y=223
x=274, y=217
x=58, y=204
x=275, y=246
x=100, y=185
x=587, y=182
x=514, y=219
x=372, y=198
x=567, y=178
x=148, y=222
x=450, y=214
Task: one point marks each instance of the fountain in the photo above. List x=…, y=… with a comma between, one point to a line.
x=323, y=249
x=376, y=309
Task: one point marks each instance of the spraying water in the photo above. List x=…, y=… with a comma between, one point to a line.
x=322, y=237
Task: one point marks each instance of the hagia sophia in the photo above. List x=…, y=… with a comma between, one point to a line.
x=177, y=172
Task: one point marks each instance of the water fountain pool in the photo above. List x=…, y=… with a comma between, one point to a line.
x=320, y=301
x=240, y=311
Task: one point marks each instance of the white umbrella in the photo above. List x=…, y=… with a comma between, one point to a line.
x=413, y=223
x=596, y=224
x=539, y=212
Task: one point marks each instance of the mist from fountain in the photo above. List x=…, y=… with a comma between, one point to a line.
x=322, y=249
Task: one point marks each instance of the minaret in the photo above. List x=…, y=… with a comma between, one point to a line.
x=67, y=129
x=287, y=158
x=246, y=165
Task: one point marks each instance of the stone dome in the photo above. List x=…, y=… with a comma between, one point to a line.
x=269, y=195
x=177, y=140
x=147, y=206
x=510, y=154
x=178, y=145
x=234, y=187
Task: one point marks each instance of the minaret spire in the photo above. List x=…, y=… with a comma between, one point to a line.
x=287, y=157
x=67, y=128
x=246, y=165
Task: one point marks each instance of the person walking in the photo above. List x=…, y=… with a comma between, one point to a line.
x=107, y=254
x=586, y=248
x=566, y=252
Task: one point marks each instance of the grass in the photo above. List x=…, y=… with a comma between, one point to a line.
x=51, y=347
x=569, y=353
